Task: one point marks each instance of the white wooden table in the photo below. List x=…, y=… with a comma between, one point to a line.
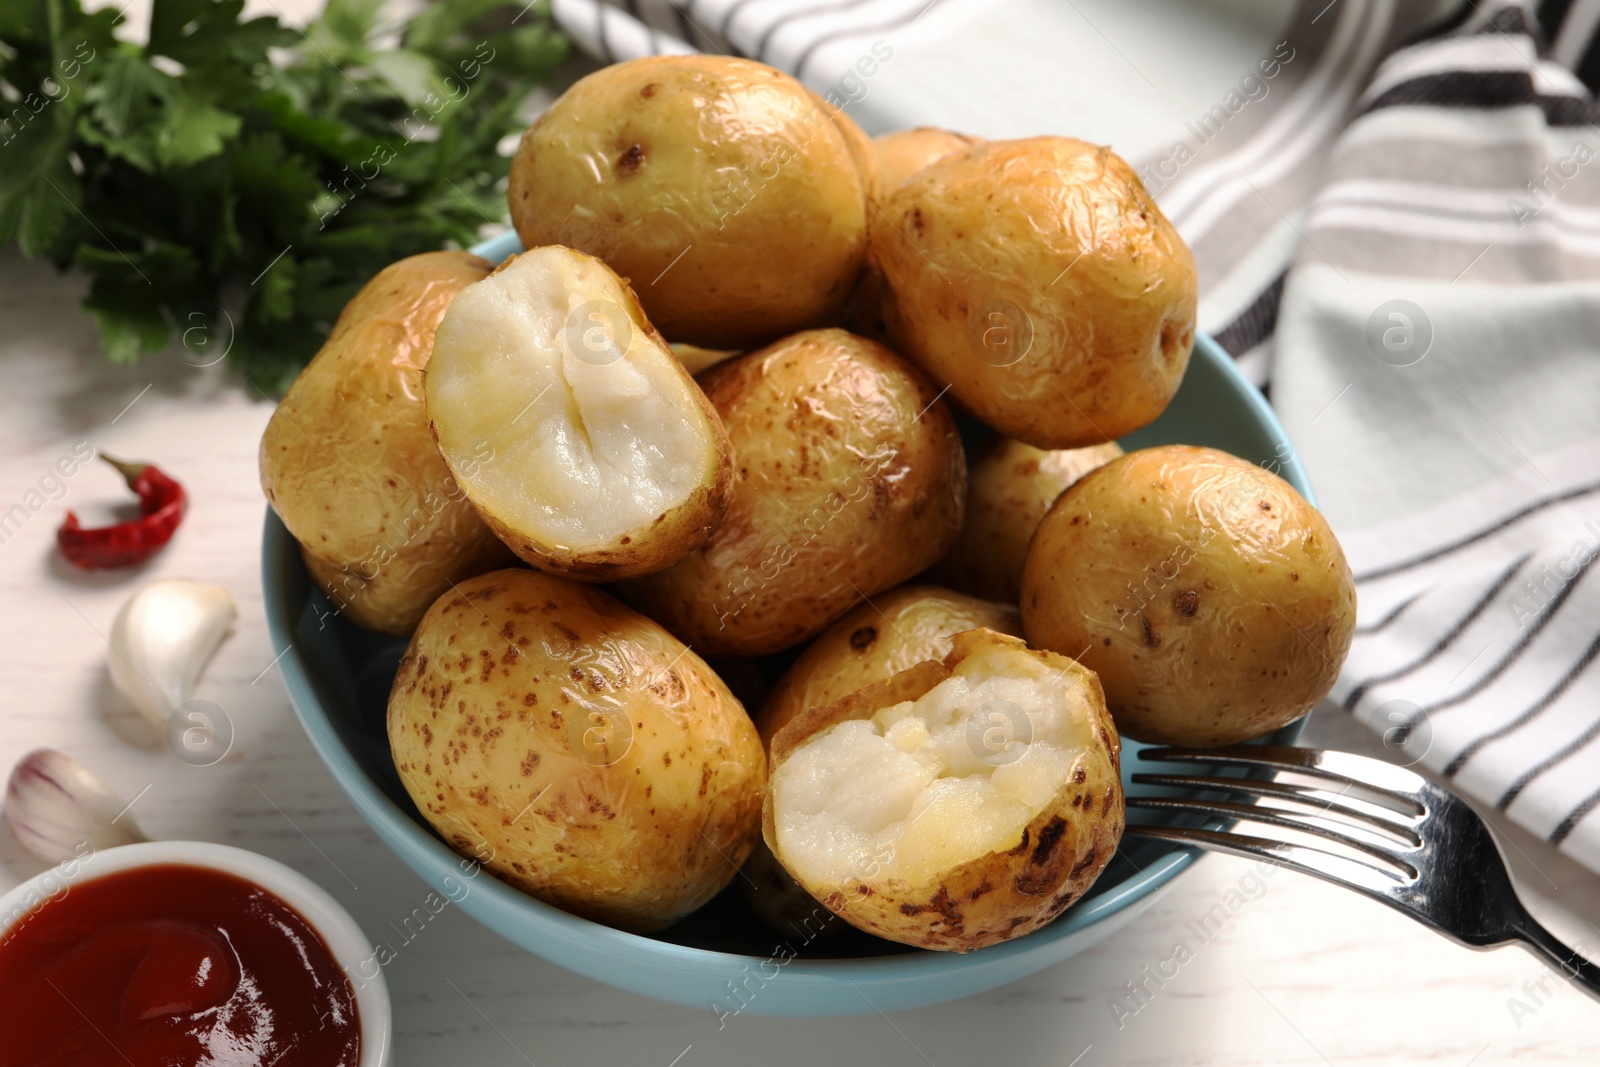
x=1300, y=973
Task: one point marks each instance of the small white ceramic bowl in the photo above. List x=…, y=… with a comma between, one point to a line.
x=344, y=938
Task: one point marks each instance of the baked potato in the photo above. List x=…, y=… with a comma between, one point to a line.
x=724, y=190
x=1010, y=486
x=959, y=804
x=875, y=641
x=851, y=479
x=608, y=460
x=1040, y=281
x=348, y=463
x=1212, y=600
x=902, y=153
x=577, y=749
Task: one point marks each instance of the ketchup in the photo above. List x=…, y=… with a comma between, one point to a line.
x=172, y=966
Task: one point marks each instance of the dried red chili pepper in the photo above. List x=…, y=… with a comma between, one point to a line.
x=162, y=502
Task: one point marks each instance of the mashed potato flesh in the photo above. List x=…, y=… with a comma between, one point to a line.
x=931, y=783
x=560, y=414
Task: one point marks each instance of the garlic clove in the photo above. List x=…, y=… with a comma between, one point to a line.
x=163, y=638
x=59, y=809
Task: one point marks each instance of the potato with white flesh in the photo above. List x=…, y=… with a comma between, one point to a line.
x=349, y=466
x=609, y=462
x=851, y=479
x=872, y=643
x=876, y=641
x=576, y=749
x=959, y=804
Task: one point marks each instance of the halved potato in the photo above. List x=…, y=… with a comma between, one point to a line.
x=956, y=805
x=1010, y=486
x=876, y=641
x=608, y=460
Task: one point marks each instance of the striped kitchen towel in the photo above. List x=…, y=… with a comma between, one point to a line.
x=1397, y=222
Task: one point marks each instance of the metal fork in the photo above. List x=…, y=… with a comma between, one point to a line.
x=1405, y=841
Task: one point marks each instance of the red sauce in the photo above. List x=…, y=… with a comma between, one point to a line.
x=172, y=966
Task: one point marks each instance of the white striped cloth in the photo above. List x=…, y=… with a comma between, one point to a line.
x=1401, y=241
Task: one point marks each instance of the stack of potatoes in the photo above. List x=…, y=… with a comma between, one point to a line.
x=714, y=409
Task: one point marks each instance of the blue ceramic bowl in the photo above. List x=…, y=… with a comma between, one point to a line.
x=338, y=677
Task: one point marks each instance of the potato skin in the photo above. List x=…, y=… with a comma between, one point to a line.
x=729, y=164
x=875, y=641
x=576, y=748
x=851, y=479
x=1214, y=602
x=1039, y=279
x=902, y=153
x=348, y=463
x=1010, y=486
x=1002, y=895
x=645, y=548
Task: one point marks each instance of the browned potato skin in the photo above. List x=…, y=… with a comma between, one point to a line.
x=903, y=153
x=1214, y=602
x=875, y=641
x=349, y=465
x=486, y=726
x=850, y=479
x=1003, y=895
x=731, y=165
x=1010, y=486
x=1039, y=279
x=646, y=548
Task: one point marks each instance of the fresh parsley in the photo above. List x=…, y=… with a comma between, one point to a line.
x=233, y=182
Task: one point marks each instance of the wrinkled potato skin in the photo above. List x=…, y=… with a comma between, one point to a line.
x=645, y=548
x=1214, y=602
x=1039, y=279
x=1010, y=486
x=903, y=153
x=851, y=479
x=876, y=641
x=730, y=159
x=349, y=465
x=1003, y=895
x=503, y=718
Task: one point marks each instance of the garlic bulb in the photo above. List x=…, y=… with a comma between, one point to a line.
x=61, y=810
x=162, y=639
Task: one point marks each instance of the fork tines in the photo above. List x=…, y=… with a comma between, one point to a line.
x=1369, y=807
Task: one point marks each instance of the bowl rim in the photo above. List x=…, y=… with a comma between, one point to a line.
x=431, y=858
x=337, y=928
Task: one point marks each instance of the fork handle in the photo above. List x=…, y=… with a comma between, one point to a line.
x=1570, y=963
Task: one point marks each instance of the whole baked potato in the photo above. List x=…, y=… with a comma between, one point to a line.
x=577, y=749
x=1040, y=281
x=608, y=460
x=1212, y=600
x=875, y=641
x=1010, y=486
x=850, y=479
x=726, y=191
x=348, y=463
x=959, y=804
x=902, y=153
